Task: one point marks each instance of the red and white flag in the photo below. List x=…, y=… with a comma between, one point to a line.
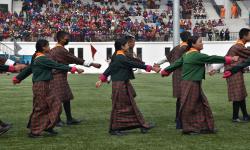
x=93, y=51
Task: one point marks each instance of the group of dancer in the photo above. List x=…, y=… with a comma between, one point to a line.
x=50, y=85
x=193, y=113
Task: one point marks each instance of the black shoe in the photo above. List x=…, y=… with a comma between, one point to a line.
x=4, y=129
x=117, y=133
x=51, y=131
x=60, y=123
x=73, y=122
x=246, y=119
x=178, y=125
x=237, y=120
x=146, y=129
x=31, y=135
x=214, y=131
x=191, y=132
x=4, y=124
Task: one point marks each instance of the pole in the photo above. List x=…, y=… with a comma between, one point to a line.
x=176, y=23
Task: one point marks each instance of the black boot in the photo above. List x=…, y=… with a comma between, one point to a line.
x=73, y=121
x=146, y=129
x=244, y=111
x=191, y=133
x=4, y=124
x=60, y=123
x=51, y=131
x=70, y=119
x=178, y=124
x=117, y=132
x=4, y=129
x=178, y=105
x=236, y=108
x=31, y=135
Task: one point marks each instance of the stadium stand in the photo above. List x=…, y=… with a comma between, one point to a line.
x=105, y=20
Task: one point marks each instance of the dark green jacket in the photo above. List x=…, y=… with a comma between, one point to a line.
x=41, y=68
x=121, y=68
x=4, y=68
x=193, y=65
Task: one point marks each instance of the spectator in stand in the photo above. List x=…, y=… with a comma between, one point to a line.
x=210, y=34
x=217, y=34
x=222, y=12
x=1, y=34
x=157, y=4
x=222, y=34
x=234, y=11
x=227, y=35
x=94, y=22
x=220, y=23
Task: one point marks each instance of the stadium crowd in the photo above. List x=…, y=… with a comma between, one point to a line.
x=100, y=20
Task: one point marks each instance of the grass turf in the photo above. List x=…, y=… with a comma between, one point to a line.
x=94, y=105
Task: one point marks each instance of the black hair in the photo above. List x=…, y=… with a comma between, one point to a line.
x=39, y=47
x=243, y=32
x=118, y=46
x=60, y=35
x=192, y=40
x=185, y=35
x=120, y=42
x=129, y=36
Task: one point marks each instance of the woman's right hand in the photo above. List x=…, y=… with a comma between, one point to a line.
x=165, y=73
x=227, y=74
x=15, y=81
x=235, y=58
x=96, y=65
x=212, y=72
x=98, y=84
x=19, y=67
x=157, y=69
x=79, y=71
x=156, y=65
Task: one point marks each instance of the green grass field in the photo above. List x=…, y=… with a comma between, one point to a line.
x=94, y=105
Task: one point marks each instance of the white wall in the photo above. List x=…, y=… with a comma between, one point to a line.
x=220, y=2
x=9, y=2
x=151, y=51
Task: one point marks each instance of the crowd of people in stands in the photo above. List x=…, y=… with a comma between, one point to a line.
x=149, y=4
x=210, y=29
x=199, y=11
x=193, y=7
x=85, y=22
x=97, y=21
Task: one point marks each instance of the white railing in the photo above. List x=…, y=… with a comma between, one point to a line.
x=6, y=50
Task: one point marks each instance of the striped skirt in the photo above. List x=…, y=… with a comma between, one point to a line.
x=46, y=108
x=176, y=83
x=236, y=87
x=125, y=114
x=195, y=113
x=61, y=87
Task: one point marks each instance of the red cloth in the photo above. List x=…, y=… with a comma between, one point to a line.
x=103, y=78
x=165, y=73
x=93, y=51
x=73, y=70
x=227, y=74
x=11, y=68
x=148, y=68
x=228, y=60
x=15, y=80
